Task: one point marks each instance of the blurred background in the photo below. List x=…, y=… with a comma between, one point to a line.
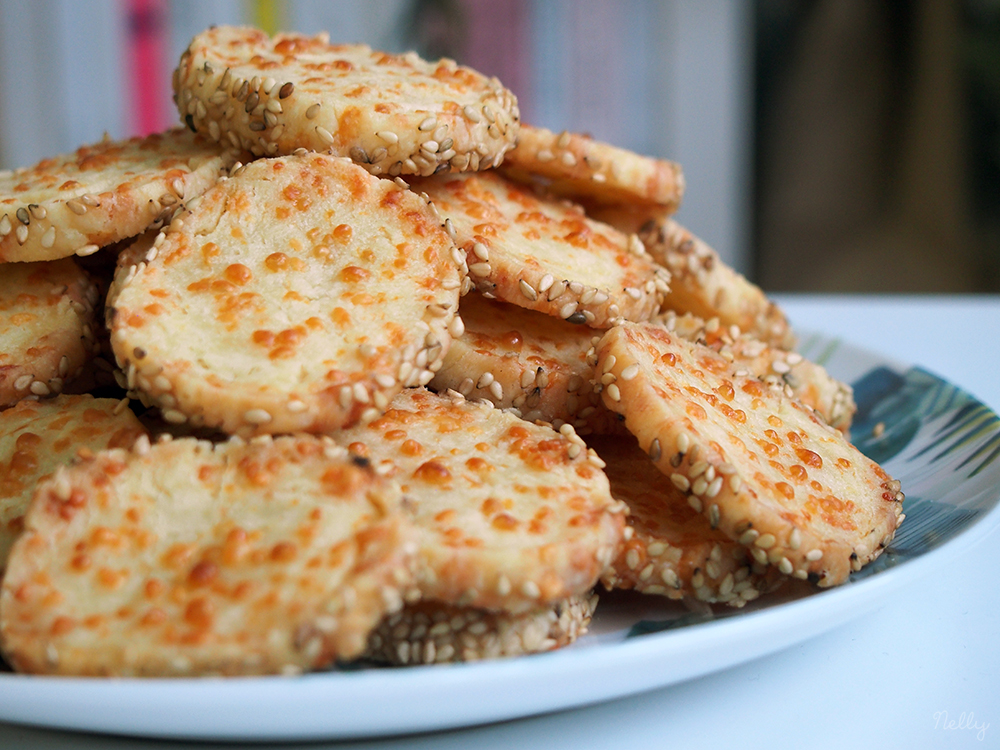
x=828, y=145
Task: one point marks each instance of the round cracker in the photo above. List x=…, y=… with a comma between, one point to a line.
x=763, y=468
x=578, y=167
x=537, y=366
x=392, y=114
x=187, y=558
x=702, y=284
x=435, y=633
x=102, y=193
x=46, y=327
x=510, y=515
x=790, y=372
x=300, y=294
x=673, y=550
x=544, y=254
x=36, y=437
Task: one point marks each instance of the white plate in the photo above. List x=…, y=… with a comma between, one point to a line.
x=940, y=442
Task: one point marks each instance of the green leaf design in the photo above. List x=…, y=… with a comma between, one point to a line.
x=905, y=405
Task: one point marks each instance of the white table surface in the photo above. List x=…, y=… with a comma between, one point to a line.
x=887, y=680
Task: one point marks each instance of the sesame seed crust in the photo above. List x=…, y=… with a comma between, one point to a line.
x=702, y=284
x=188, y=558
x=673, y=550
x=535, y=365
x=511, y=515
x=578, y=167
x=102, y=193
x=301, y=294
x=46, y=327
x=434, y=633
x=37, y=437
x=783, y=370
x=760, y=466
x=545, y=254
x=391, y=114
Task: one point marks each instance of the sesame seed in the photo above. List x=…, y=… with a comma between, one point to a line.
x=556, y=290
x=257, y=416
x=683, y=442
x=630, y=372
x=814, y=555
x=530, y=589
x=795, y=539
x=526, y=290
x=655, y=452
x=632, y=559
x=428, y=123
x=480, y=269
x=613, y=393
x=325, y=135
x=713, y=487
x=748, y=537
x=173, y=416
x=656, y=549
x=680, y=482
x=5, y=226
x=87, y=250
x=765, y=541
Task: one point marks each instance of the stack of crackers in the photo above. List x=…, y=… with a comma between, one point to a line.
x=356, y=364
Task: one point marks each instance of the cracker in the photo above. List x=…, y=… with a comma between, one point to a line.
x=510, y=515
x=703, y=285
x=578, y=167
x=392, y=114
x=762, y=468
x=102, y=193
x=188, y=558
x=544, y=254
x=435, y=633
x=539, y=367
x=46, y=327
x=36, y=437
x=790, y=372
x=673, y=550
x=300, y=294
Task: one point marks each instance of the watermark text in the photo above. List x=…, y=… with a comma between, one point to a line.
x=965, y=721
